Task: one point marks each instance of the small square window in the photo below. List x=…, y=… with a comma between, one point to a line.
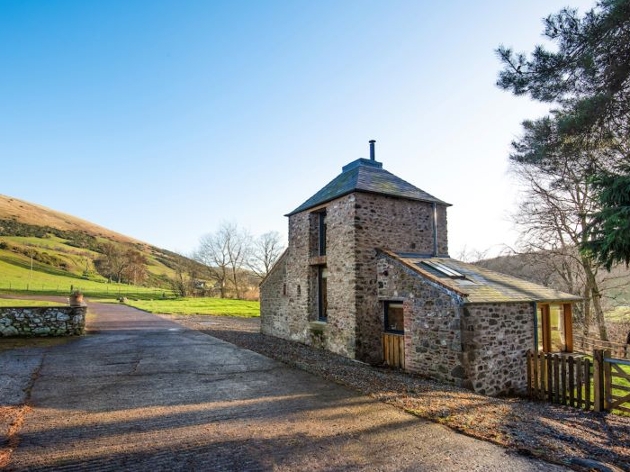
x=394, y=317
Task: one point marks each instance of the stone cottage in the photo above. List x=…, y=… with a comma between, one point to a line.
x=367, y=275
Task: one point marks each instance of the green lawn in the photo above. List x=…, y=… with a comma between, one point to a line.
x=199, y=306
x=617, y=381
x=15, y=279
x=620, y=313
x=16, y=302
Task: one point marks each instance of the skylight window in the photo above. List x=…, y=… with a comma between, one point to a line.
x=444, y=270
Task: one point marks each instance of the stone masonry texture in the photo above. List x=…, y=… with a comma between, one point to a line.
x=42, y=321
x=357, y=224
x=478, y=346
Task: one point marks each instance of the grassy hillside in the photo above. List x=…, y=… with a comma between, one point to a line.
x=37, y=215
x=49, y=251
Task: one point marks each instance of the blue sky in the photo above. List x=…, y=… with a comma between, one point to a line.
x=162, y=119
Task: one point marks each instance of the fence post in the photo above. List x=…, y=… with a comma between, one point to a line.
x=530, y=367
x=607, y=380
x=598, y=379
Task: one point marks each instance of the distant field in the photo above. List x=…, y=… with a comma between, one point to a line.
x=620, y=313
x=16, y=302
x=200, y=306
x=14, y=279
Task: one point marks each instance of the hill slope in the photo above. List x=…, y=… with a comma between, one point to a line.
x=42, y=248
x=37, y=215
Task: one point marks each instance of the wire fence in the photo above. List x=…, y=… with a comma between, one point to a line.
x=107, y=291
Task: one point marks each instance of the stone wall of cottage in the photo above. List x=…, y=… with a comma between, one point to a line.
x=357, y=224
x=433, y=335
x=299, y=288
x=400, y=226
x=274, y=303
x=478, y=346
x=295, y=315
x=42, y=321
x=496, y=338
x=341, y=327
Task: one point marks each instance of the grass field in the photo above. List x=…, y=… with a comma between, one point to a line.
x=17, y=303
x=199, y=306
x=14, y=279
x=617, y=381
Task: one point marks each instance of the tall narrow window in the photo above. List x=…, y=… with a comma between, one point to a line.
x=322, y=293
x=322, y=232
x=394, y=318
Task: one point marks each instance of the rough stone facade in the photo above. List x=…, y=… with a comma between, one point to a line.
x=386, y=241
x=400, y=226
x=356, y=224
x=276, y=301
x=42, y=321
x=432, y=320
x=495, y=339
x=478, y=346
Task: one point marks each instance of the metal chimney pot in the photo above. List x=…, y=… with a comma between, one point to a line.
x=372, y=156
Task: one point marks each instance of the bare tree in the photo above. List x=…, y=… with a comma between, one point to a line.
x=552, y=214
x=224, y=253
x=135, y=271
x=113, y=263
x=186, y=274
x=238, y=243
x=266, y=250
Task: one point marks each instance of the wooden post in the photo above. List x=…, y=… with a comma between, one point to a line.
x=607, y=381
x=545, y=328
x=587, y=383
x=568, y=326
x=530, y=368
x=572, y=381
x=549, y=377
x=598, y=379
x=544, y=380
x=556, y=378
x=563, y=380
x=536, y=377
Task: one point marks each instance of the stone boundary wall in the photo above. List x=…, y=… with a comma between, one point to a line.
x=42, y=321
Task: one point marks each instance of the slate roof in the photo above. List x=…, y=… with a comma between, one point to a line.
x=479, y=285
x=365, y=175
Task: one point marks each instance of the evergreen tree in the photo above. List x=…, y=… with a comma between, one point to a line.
x=587, y=80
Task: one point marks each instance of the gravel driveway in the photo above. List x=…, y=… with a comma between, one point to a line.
x=585, y=441
x=141, y=392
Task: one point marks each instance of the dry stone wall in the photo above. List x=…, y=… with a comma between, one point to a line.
x=341, y=326
x=42, y=321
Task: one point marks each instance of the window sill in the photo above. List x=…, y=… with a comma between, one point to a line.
x=317, y=260
x=318, y=326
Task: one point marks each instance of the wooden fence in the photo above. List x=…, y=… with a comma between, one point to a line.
x=601, y=384
x=616, y=383
x=394, y=350
x=560, y=378
x=587, y=344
